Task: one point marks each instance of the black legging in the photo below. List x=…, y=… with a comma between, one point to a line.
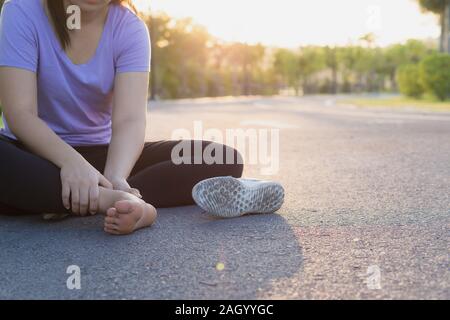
x=31, y=184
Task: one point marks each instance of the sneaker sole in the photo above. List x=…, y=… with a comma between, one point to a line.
x=227, y=197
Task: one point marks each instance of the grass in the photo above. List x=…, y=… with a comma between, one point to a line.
x=427, y=103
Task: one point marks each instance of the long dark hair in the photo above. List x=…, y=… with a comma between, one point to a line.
x=59, y=16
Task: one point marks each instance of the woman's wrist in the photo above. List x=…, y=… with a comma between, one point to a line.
x=70, y=158
x=114, y=177
x=119, y=182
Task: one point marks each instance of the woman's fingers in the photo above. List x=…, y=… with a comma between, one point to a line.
x=135, y=192
x=75, y=195
x=84, y=200
x=66, y=195
x=93, y=199
x=104, y=182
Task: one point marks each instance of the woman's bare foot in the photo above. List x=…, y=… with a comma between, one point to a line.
x=128, y=216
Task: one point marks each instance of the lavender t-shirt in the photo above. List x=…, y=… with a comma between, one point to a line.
x=74, y=100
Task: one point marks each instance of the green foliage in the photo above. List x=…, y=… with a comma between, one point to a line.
x=408, y=79
x=426, y=103
x=287, y=68
x=436, y=6
x=413, y=51
x=435, y=75
x=188, y=62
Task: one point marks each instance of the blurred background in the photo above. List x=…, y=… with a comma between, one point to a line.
x=213, y=48
x=264, y=47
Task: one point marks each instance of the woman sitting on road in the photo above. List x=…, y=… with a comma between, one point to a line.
x=75, y=101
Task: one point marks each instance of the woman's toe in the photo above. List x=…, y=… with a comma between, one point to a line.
x=111, y=231
x=111, y=220
x=123, y=206
x=111, y=212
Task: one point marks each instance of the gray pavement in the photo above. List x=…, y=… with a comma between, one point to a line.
x=365, y=188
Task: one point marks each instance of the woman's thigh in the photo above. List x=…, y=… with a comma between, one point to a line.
x=28, y=182
x=32, y=184
x=153, y=153
x=165, y=182
x=186, y=152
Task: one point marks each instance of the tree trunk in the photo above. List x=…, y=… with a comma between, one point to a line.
x=334, y=80
x=246, y=81
x=446, y=28
x=441, y=38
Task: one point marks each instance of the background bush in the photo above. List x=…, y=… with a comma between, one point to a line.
x=435, y=75
x=408, y=79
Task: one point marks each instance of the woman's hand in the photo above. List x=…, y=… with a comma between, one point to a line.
x=122, y=184
x=80, y=183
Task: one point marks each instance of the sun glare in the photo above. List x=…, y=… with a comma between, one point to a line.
x=291, y=23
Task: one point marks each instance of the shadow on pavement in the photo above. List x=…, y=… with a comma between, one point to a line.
x=185, y=255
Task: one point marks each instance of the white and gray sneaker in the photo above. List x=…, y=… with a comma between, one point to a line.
x=229, y=197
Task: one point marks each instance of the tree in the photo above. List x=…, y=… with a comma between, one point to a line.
x=412, y=52
x=310, y=61
x=332, y=62
x=408, y=79
x=153, y=28
x=442, y=8
x=287, y=67
x=435, y=75
x=245, y=62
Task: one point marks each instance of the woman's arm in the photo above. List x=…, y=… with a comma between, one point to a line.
x=18, y=90
x=128, y=127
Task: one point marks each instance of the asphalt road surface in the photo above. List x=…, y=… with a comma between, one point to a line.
x=366, y=215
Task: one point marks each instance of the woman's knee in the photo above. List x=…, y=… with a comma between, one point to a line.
x=238, y=162
x=225, y=155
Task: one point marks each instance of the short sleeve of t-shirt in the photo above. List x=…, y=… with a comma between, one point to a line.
x=132, y=46
x=18, y=41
